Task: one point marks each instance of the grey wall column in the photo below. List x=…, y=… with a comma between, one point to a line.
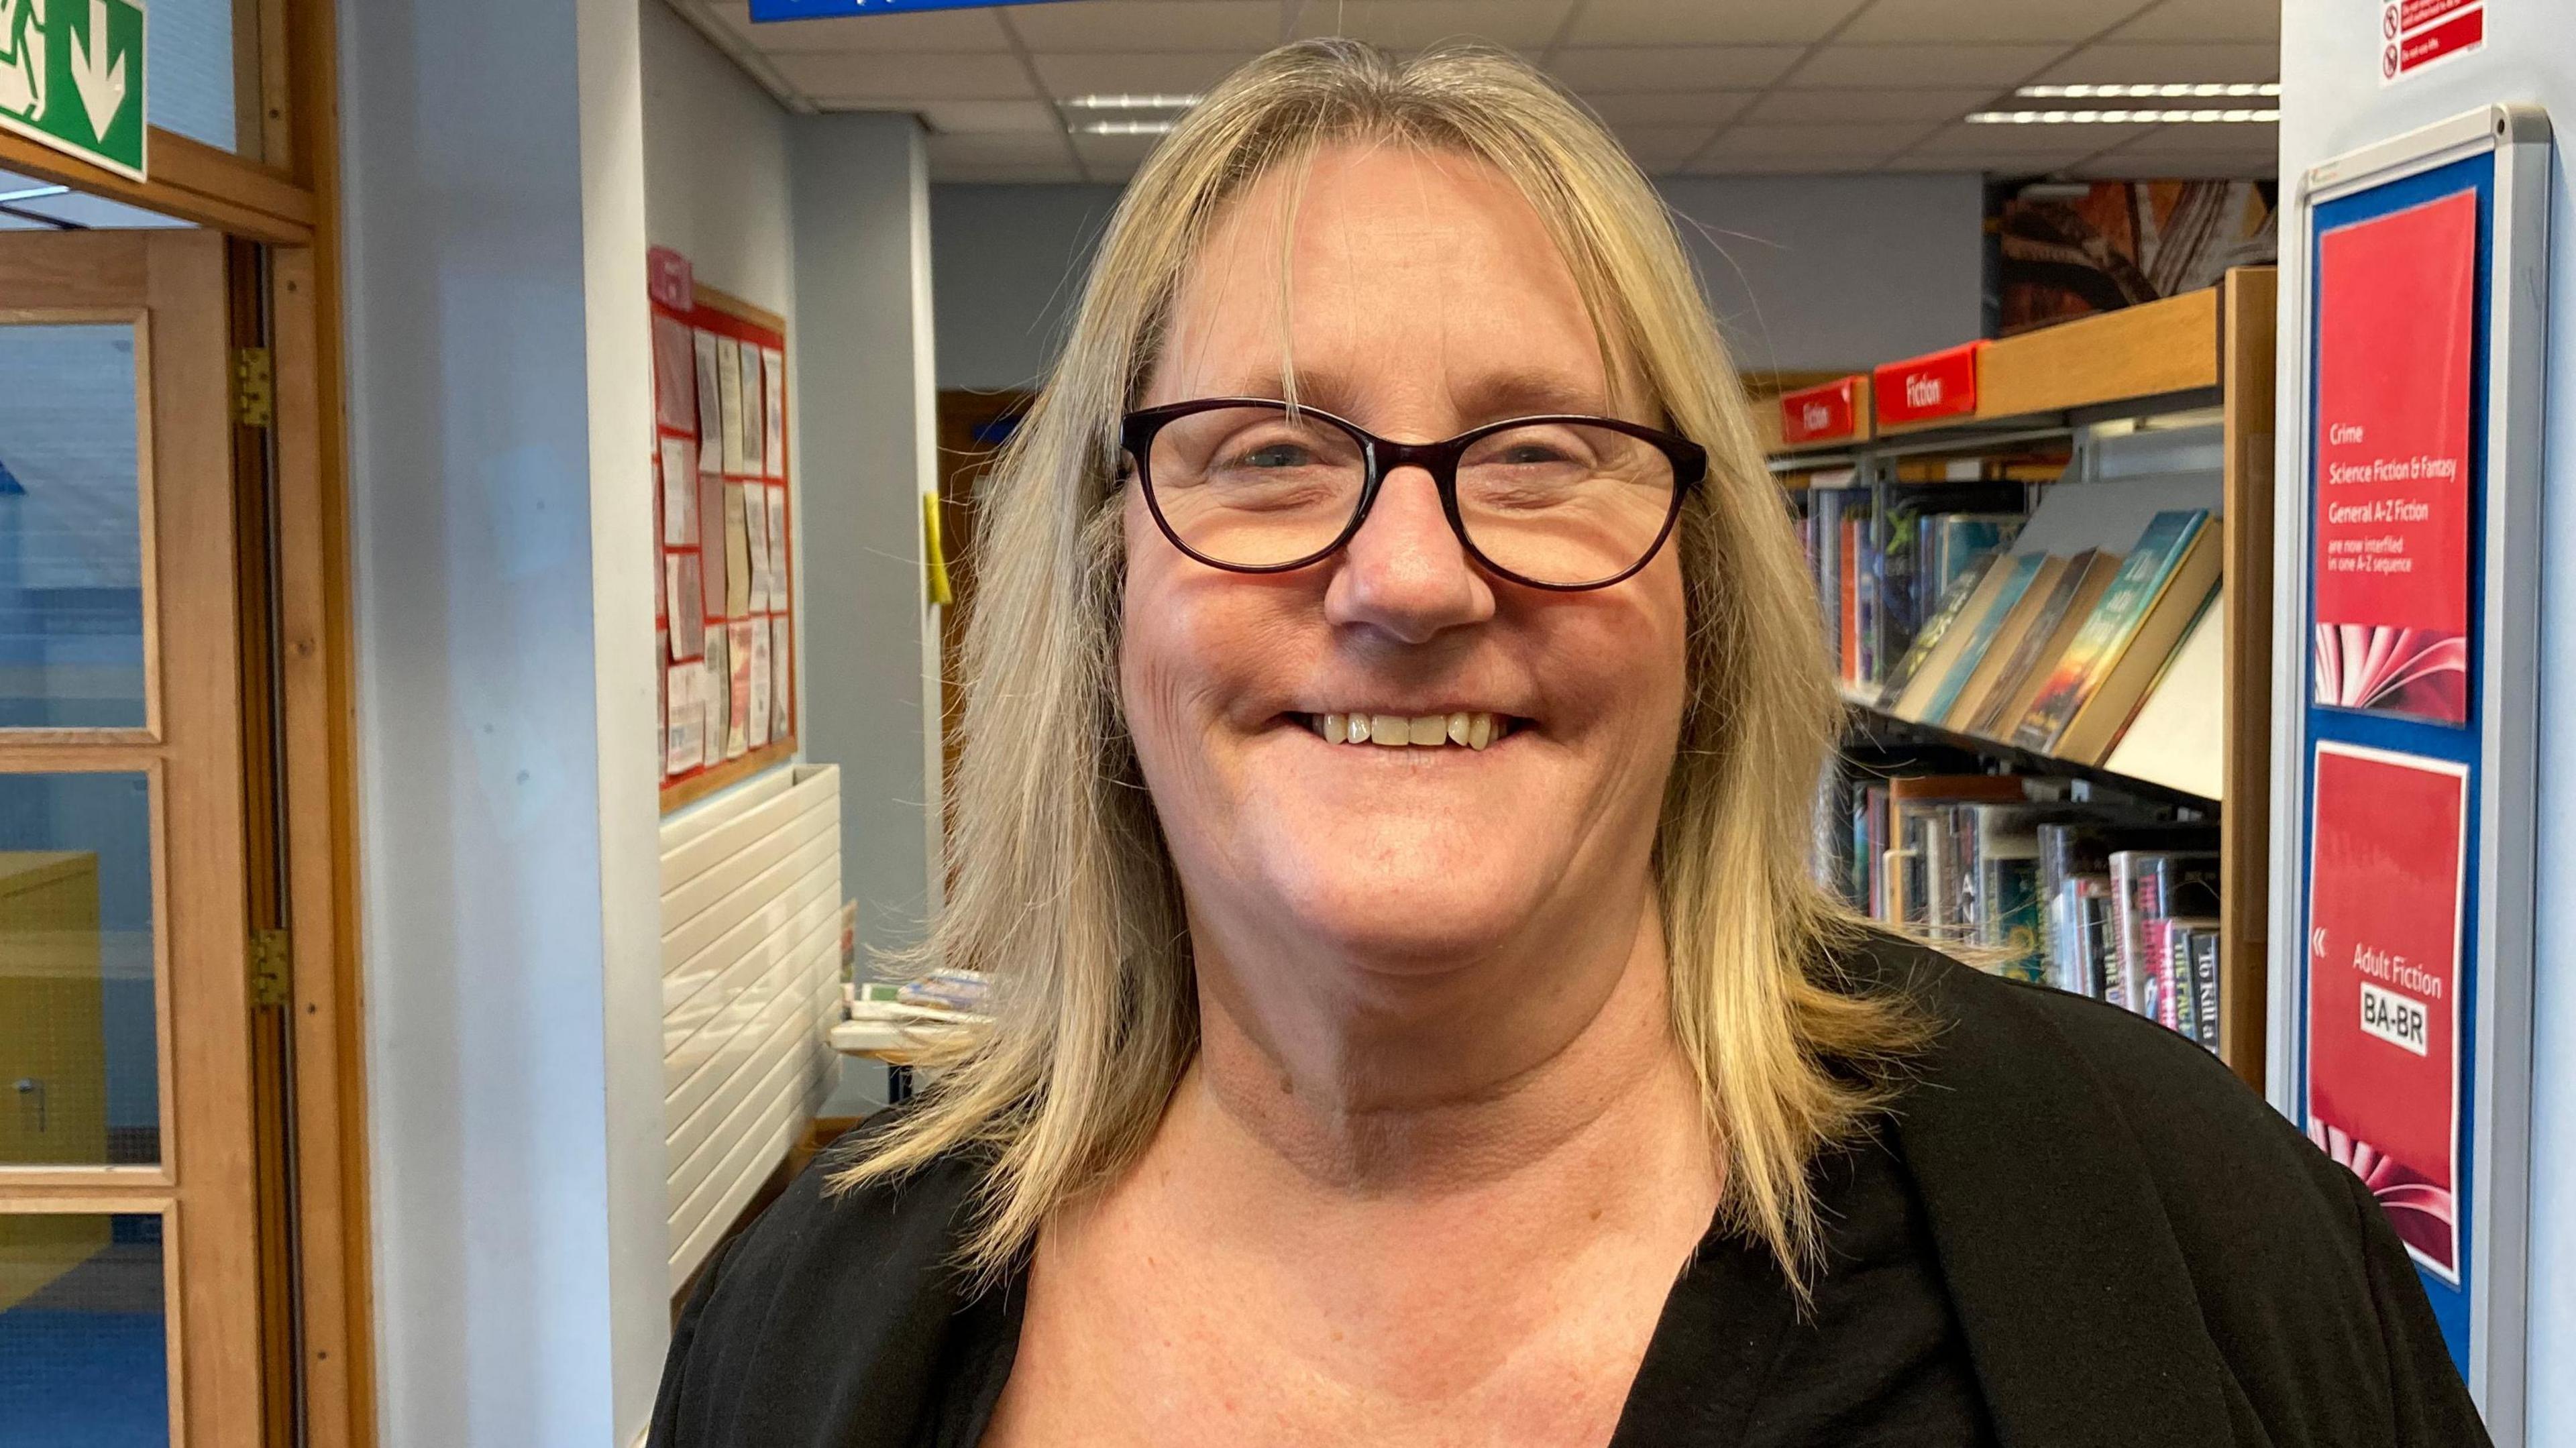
x=867, y=446
x=498, y=406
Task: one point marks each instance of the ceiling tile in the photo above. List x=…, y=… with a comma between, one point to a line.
x=1869, y=105
x=1669, y=108
x=843, y=78
x=990, y=117
x=963, y=175
x=1661, y=148
x=1018, y=149
x=2233, y=137
x=1870, y=67
x=2126, y=165
x=2200, y=21
x=1414, y=24
x=1110, y=158
x=1148, y=26
x=1708, y=22
x=1612, y=69
x=2136, y=64
x=1067, y=76
x=920, y=30
x=1951, y=21
x=2061, y=144
x=1775, y=166
x=1851, y=141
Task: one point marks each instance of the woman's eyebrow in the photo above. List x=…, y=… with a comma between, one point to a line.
x=1489, y=398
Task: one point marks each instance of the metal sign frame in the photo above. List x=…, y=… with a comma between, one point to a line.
x=2505, y=150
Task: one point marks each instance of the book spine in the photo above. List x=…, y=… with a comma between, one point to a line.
x=2156, y=973
x=2175, y=953
x=2204, y=975
x=2097, y=937
x=2124, y=919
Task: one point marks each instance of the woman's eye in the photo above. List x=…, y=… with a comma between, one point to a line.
x=1277, y=455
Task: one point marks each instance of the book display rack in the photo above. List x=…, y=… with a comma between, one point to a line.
x=2044, y=569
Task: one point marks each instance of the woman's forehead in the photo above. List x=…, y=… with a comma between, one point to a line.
x=1373, y=267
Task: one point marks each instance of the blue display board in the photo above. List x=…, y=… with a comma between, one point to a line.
x=2406, y=663
x=763, y=11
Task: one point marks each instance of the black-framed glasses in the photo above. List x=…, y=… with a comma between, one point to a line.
x=1250, y=485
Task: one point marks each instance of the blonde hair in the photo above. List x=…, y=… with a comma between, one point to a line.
x=1061, y=887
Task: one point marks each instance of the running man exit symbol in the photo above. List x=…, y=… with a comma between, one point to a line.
x=71, y=76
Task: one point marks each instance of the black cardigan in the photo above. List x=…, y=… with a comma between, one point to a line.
x=2140, y=1252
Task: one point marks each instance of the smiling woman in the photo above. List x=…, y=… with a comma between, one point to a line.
x=1520, y=1092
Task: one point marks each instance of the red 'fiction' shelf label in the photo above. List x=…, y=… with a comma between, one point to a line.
x=1919, y=389
x=1821, y=414
x=2396, y=304
x=2385, y=892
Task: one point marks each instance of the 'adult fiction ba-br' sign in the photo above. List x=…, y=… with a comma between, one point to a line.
x=763, y=10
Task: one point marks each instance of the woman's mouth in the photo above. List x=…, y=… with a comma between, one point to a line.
x=1412, y=731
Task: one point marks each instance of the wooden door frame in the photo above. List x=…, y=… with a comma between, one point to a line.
x=289, y=200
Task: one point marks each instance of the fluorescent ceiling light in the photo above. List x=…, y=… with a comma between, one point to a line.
x=1132, y=103
x=2122, y=118
x=1125, y=128
x=2183, y=90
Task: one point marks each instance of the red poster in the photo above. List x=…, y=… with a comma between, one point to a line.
x=2386, y=892
x=2396, y=314
x=1821, y=414
x=1919, y=389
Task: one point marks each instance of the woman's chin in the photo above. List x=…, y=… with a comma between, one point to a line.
x=1424, y=917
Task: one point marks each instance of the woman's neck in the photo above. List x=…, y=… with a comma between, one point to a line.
x=1448, y=1083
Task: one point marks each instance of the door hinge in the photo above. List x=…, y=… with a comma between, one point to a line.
x=254, y=387
x=270, y=951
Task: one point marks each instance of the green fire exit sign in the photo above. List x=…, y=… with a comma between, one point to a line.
x=71, y=76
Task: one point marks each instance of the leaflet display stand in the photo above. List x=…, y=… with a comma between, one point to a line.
x=2405, y=677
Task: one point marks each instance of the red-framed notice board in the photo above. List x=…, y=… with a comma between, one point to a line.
x=724, y=613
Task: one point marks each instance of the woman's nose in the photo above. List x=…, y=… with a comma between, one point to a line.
x=1405, y=572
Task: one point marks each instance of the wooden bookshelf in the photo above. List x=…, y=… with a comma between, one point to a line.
x=2207, y=349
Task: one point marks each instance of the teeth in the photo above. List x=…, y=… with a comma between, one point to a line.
x=1471, y=731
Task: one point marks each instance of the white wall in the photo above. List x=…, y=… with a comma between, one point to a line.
x=498, y=405
x=715, y=165
x=862, y=347
x=1807, y=273
x=2332, y=101
x=1836, y=273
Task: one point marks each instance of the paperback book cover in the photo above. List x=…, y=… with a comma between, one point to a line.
x=2068, y=604
x=2170, y=541
x=2019, y=571
x=1927, y=639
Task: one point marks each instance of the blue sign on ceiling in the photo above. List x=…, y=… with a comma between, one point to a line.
x=763, y=10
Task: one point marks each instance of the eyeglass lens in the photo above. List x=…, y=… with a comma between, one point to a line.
x=1554, y=502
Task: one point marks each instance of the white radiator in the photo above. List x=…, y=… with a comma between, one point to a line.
x=751, y=919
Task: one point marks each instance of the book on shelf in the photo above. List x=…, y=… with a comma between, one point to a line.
x=1999, y=579
x=1881, y=558
x=1936, y=626
x=2097, y=683
x=2150, y=887
x=1988, y=657
x=2080, y=952
x=2178, y=738
x=2021, y=572
x=2069, y=602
